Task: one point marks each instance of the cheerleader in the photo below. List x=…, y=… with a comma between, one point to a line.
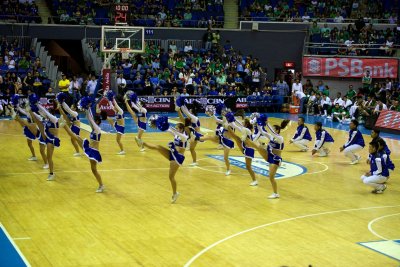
x=376, y=138
x=247, y=133
x=48, y=130
x=90, y=147
x=30, y=130
x=323, y=141
x=354, y=144
x=175, y=152
x=272, y=154
x=194, y=127
x=302, y=136
x=119, y=123
x=220, y=137
x=72, y=119
x=379, y=171
x=140, y=118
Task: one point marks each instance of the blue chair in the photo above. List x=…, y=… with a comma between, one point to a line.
x=267, y=101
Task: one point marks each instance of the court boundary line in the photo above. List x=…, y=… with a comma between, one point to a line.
x=384, y=254
x=203, y=251
x=100, y=170
x=14, y=245
x=378, y=219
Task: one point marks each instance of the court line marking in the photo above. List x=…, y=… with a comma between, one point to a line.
x=202, y=252
x=22, y=238
x=15, y=245
x=110, y=170
x=378, y=219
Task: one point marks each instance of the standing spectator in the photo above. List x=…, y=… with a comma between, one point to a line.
x=207, y=39
x=302, y=98
x=215, y=39
x=282, y=87
x=91, y=86
x=255, y=78
x=321, y=86
x=188, y=48
x=63, y=84
x=366, y=83
x=351, y=93
x=121, y=84
x=75, y=89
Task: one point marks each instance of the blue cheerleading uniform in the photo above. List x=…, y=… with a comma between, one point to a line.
x=28, y=134
x=142, y=125
x=119, y=128
x=75, y=129
x=50, y=138
x=275, y=143
x=40, y=138
x=196, y=125
x=322, y=137
x=90, y=152
x=378, y=166
x=355, y=138
x=173, y=152
x=248, y=152
x=226, y=142
x=385, y=146
x=302, y=132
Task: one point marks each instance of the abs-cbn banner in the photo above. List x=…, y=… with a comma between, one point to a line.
x=389, y=120
x=155, y=103
x=343, y=67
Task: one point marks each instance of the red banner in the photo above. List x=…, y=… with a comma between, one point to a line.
x=106, y=79
x=389, y=120
x=343, y=67
x=104, y=105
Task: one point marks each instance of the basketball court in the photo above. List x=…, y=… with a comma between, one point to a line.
x=325, y=217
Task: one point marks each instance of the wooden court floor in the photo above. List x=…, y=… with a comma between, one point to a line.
x=320, y=219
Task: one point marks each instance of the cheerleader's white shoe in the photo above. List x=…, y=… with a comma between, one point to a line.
x=273, y=196
x=51, y=177
x=100, y=189
x=254, y=183
x=174, y=197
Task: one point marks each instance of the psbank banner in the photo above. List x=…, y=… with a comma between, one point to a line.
x=389, y=120
x=167, y=103
x=350, y=67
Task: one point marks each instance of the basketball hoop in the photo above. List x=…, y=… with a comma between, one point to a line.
x=124, y=53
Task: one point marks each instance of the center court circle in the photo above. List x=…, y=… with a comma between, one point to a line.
x=260, y=166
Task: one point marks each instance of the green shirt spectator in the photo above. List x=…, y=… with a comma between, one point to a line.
x=23, y=63
x=315, y=29
x=351, y=93
x=179, y=64
x=326, y=31
x=187, y=15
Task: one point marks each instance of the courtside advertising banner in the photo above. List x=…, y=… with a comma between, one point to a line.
x=389, y=120
x=106, y=79
x=167, y=103
x=350, y=67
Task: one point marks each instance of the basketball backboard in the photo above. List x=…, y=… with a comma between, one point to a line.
x=115, y=38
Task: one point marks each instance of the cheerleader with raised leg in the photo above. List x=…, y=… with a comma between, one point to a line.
x=247, y=132
x=90, y=147
x=220, y=137
x=139, y=118
x=49, y=131
x=119, y=123
x=30, y=130
x=175, y=153
x=72, y=120
x=192, y=122
x=273, y=152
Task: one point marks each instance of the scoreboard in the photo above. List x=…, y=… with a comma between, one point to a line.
x=121, y=13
